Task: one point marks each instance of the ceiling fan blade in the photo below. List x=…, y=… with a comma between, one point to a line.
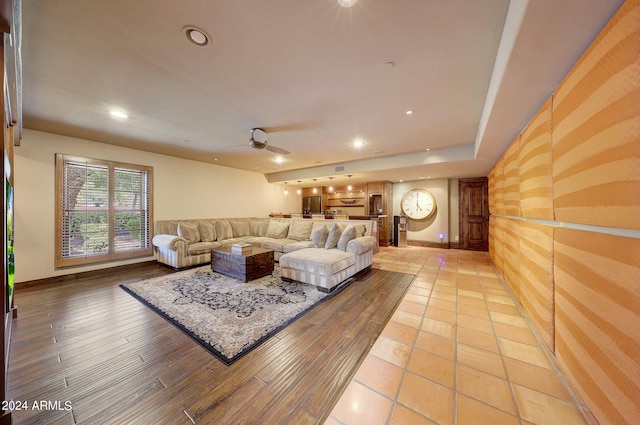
x=289, y=127
x=278, y=150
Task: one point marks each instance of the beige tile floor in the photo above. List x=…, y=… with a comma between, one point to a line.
x=458, y=350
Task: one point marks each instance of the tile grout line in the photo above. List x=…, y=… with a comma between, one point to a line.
x=480, y=271
x=412, y=349
x=575, y=398
x=502, y=356
x=455, y=354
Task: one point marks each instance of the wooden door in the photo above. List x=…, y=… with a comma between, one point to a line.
x=474, y=213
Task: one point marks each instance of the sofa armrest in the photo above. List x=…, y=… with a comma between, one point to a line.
x=169, y=242
x=362, y=244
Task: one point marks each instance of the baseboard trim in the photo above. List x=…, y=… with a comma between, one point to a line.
x=427, y=244
x=80, y=275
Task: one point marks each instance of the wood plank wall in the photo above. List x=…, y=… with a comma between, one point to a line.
x=570, y=176
x=597, y=297
x=511, y=183
x=536, y=195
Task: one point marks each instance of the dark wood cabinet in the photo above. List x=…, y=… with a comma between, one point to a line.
x=372, y=200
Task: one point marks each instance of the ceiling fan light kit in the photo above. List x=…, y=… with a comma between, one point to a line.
x=258, y=138
x=259, y=141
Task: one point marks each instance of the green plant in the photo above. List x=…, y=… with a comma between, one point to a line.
x=133, y=226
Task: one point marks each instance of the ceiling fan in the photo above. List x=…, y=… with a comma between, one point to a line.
x=259, y=141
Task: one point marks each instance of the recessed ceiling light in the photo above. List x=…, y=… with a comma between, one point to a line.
x=428, y=149
x=409, y=112
x=196, y=36
x=358, y=143
x=278, y=159
x=347, y=3
x=119, y=114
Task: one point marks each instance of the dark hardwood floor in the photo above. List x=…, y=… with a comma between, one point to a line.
x=107, y=359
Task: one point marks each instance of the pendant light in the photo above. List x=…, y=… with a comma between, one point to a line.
x=349, y=188
x=330, y=185
x=286, y=191
x=315, y=189
x=299, y=190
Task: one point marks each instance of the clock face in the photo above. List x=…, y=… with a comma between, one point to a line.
x=418, y=204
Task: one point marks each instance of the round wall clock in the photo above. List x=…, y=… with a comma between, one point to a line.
x=418, y=204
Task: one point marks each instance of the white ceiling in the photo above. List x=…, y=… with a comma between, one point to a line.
x=314, y=75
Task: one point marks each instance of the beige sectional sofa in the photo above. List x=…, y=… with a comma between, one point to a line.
x=319, y=252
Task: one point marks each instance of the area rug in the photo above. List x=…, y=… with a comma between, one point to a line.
x=227, y=317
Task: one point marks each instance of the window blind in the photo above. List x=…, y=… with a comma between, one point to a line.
x=104, y=210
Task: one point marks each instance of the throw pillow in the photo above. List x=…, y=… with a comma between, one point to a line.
x=189, y=231
x=360, y=229
x=240, y=228
x=300, y=230
x=223, y=230
x=207, y=231
x=334, y=235
x=277, y=229
x=319, y=236
x=348, y=234
x=258, y=228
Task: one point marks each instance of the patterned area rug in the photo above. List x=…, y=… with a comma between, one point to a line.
x=229, y=318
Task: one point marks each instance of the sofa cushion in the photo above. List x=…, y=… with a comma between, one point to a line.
x=300, y=230
x=296, y=246
x=348, y=234
x=277, y=229
x=166, y=227
x=276, y=244
x=233, y=240
x=319, y=261
x=202, y=247
x=360, y=230
x=223, y=230
x=319, y=236
x=359, y=246
x=334, y=236
x=240, y=228
x=255, y=240
x=258, y=228
x=207, y=231
x=189, y=232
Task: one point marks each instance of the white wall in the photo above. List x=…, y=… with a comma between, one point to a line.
x=430, y=229
x=182, y=189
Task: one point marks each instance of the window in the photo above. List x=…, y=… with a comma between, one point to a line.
x=103, y=210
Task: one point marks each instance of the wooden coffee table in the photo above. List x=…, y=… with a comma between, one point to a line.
x=244, y=267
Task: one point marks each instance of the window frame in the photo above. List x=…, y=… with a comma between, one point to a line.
x=111, y=254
